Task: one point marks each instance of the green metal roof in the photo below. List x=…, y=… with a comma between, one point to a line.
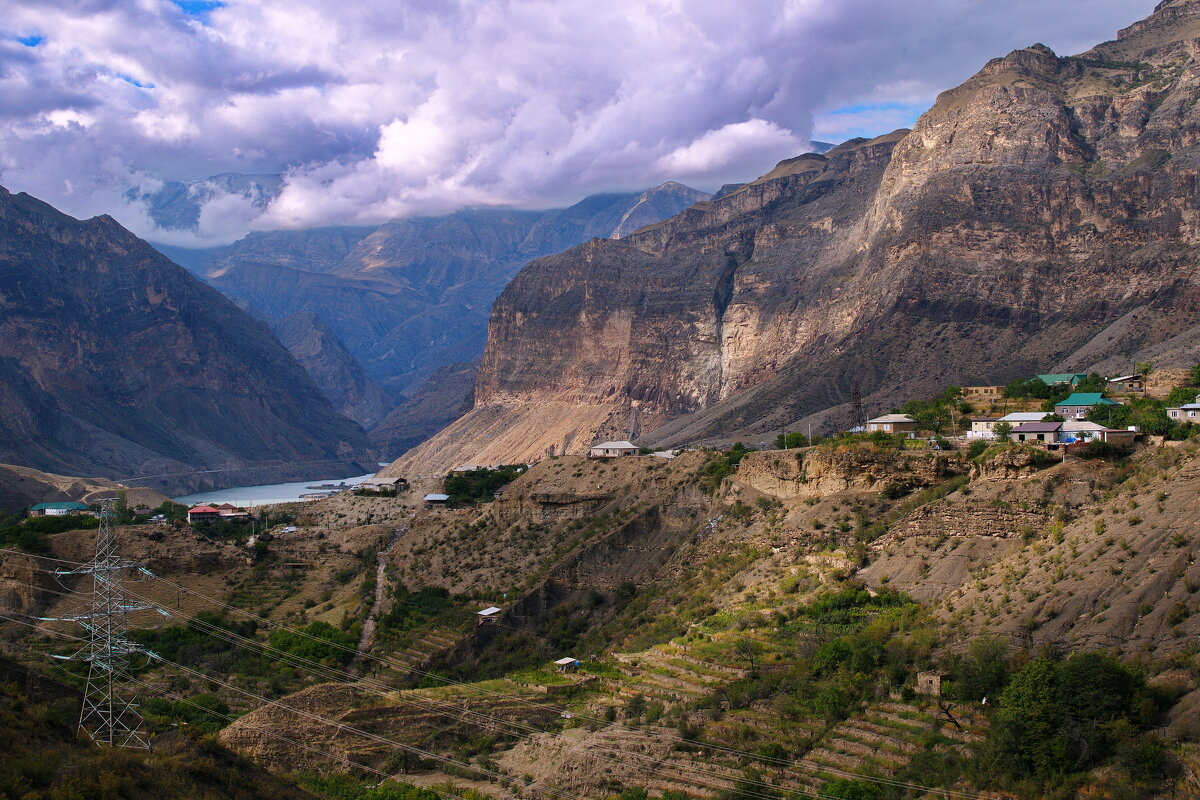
x=1087, y=399
x=71, y=506
x=1062, y=377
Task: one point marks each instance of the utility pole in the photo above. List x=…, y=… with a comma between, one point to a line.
x=108, y=718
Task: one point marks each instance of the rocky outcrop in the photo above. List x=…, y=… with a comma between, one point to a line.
x=116, y=362
x=820, y=472
x=1010, y=463
x=1031, y=207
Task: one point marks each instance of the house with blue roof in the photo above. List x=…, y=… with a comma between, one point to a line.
x=1062, y=378
x=1077, y=405
x=1188, y=412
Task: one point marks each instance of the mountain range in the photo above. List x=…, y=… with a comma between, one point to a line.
x=1040, y=217
x=115, y=362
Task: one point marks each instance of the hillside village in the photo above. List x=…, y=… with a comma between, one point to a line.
x=807, y=618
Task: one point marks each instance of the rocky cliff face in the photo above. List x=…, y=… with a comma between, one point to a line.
x=333, y=369
x=116, y=362
x=1042, y=215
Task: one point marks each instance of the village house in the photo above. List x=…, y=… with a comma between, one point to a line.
x=57, y=509
x=613, y=450
x=892, y=423
x=981, y=428
x=200, y=513
x=436, y=499
x=568, y=664
x=383, y=485
x=1080, y=430
x=1188, y=412
x=1126, y=384
x=982, y=393
x=1036, y=432
x=488, y=615
x=1062, y=378
x=1079, y=403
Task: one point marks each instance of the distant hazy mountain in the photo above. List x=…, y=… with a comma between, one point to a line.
x=413, y=295
x=176, y=206
x=115, y=362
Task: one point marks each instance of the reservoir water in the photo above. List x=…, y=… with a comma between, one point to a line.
x=265, y=494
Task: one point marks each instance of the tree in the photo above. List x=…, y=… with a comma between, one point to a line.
x=790, y=440
x=845, y=789
x=748, y=650
x=1195, y=376
x=1003, y=430
x=1143, y=368
x=1027, y=722
x=121, y=513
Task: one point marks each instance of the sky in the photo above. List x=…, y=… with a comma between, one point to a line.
x=377, y=109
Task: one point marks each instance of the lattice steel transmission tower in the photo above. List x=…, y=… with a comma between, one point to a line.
x=109, y=717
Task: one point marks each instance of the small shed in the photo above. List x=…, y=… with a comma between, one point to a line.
x=58, y=509
x=930, y=683
x=568, y=664
x=437, y=499
x=488, y=615
x=614, y=449
x=1128, y=384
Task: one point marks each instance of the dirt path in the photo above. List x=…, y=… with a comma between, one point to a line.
x=367, y=640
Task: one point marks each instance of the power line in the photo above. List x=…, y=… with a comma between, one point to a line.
x=108, y=717
x=228, y=718
x=782, y=763
x=696, y=773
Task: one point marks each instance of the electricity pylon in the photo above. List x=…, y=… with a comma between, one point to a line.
x=108, y=717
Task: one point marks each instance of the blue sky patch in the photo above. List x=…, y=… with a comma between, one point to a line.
x=198, y=8
x=134, y=81
x=867, y=120
x=31, y=41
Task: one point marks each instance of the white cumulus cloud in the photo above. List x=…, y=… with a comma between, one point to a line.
x=377, y=108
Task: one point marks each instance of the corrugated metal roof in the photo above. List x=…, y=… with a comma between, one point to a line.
x=435, y=498
x=1037, y=427
x=892, y=418
x=1086, y=399
x=71, y=505
x=615, y=446
x=1024, y=416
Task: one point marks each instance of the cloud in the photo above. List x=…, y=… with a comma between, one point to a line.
x=373, y=109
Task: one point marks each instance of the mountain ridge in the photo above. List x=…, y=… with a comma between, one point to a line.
x=1031, y=207
x=118, y=362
